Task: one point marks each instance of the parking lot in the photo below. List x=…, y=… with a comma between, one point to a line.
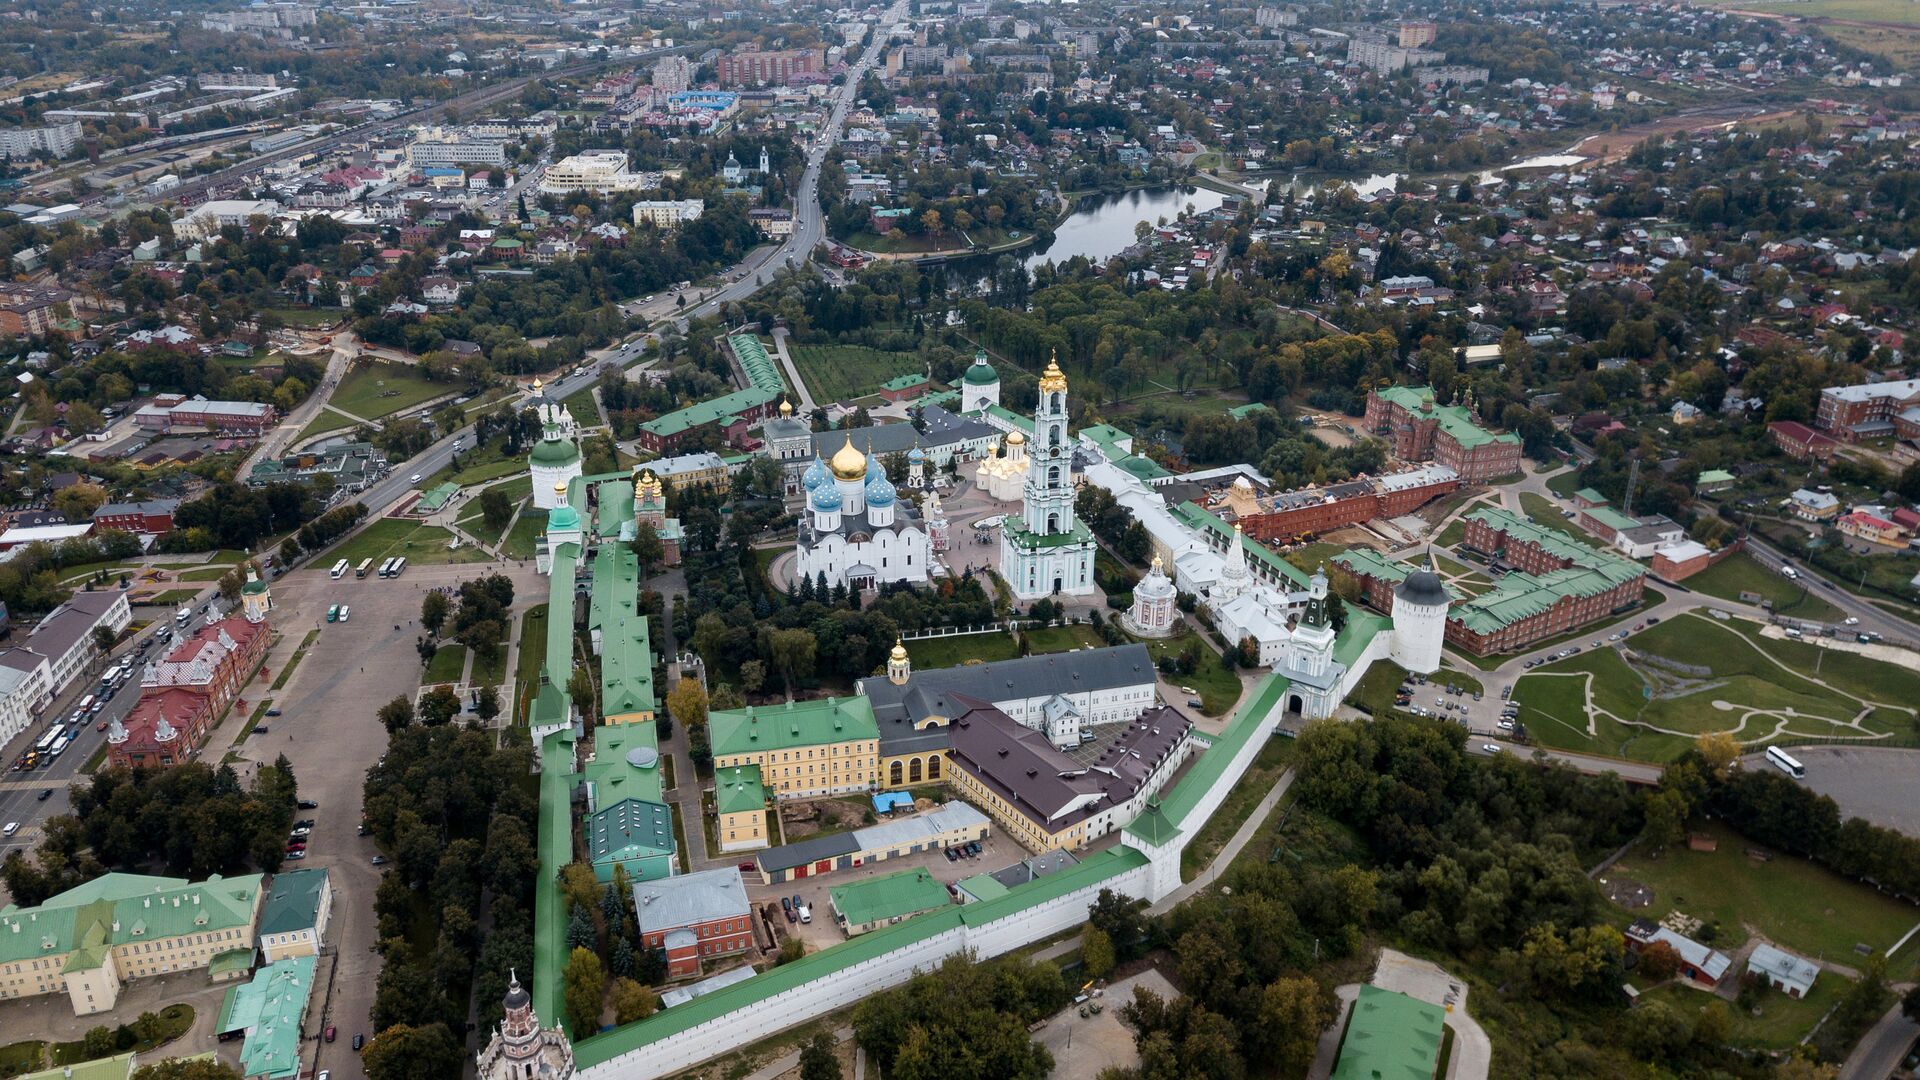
x=329, y=732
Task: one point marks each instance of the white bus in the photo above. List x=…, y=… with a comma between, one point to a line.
x=361, y=570
x=1785, y=762
x=339, y=570
x=47, y=740
x=60, y=745
x=111, y=676
x=398, y=565
x=386, y=567
x=85, y=706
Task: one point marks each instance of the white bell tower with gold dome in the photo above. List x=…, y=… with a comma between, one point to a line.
x=1047, y=552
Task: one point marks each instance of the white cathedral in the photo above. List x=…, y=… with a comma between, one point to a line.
x=1047, y=552
x=857, y=532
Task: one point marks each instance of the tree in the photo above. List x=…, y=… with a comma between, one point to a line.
x=488, y=706
x=103, y=638
x=403, y=1052
x=1118, y=916
x=631, y=1001
x=1910, y=1004
x=647, y=548
x=1096, y=951
x=687, y=702
x=77, y=502
x=1655, y=1030
x=434, y=608
x=1803, y=1067
x=1714, y=1025
x=792, y=651
x=585, y=984
x=1666, y=818
x=584, y=691
x=819, y=1060
x=1293, y=1012
x=1720, y=750
x=439, y=706
x=1658, y=962
x=496, y=507
x=396, y=714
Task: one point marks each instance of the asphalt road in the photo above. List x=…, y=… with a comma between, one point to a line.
x=1879, y=1051
x=20, y=791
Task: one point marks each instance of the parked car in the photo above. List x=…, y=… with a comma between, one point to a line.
x=331, y=1032
x=273, y=712
x=379, y=860
x=747, y=867
x=1491, y=748
x=359, y=1040
x=307, y=804
x=951, y=856
x=261, y=729
x=296, y=856
x=806, y=914
x=786, y=908
x=1194, y=703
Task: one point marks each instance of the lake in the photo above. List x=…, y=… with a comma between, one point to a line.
x=1101, y=226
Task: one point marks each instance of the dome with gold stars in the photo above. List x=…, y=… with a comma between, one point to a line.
x=848, y=463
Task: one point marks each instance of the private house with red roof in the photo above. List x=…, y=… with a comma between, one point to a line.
x=183, y=695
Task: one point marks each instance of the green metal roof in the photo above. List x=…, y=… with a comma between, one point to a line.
x=1390, y=1036
x=980, y=372
x=293, y=901
x=1018, y=535
x=1251, y=408
x=1454, y=420
x=1521, y=595
x=1144, y=468
x=117, y=1067
x=555, y=844
x=1715, y=476
x=555, y=451
x=437, y=497
x=889, y=896
x=982, y=887
x=738, y=789
x=614, y=773
x=630, y=829
x=904, y=382
x=1591, y=496
x=270, y=1008
x=764, y=387
x=790, y=725
x=1212, y=762
x=116, y=909
x=1611, y=518
x=1109, y=439
x=1024, y=423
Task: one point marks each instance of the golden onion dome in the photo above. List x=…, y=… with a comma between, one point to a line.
x=536, y=385
x=899, y=650
x=1053, y=379
x=848, y=463
x=1015, y=438
x=786, y=407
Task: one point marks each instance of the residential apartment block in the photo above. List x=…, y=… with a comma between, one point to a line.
x=766, y=68
x=1872, y=410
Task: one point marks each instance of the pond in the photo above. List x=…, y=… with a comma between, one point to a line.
x=1101, y=226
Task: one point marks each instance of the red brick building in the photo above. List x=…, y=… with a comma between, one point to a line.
x=1316, y=510
x=766, y=68
x=183, y=695
x=29, y=310
x=1801, y=441
x=694, y=917
x=149, y=518
x=1555, y=585
x=1421, y=430
x=1851, y=412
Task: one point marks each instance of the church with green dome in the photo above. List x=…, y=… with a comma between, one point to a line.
x=555, y=460
x=980, y=386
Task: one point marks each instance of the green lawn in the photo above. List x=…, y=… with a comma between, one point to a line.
x=476, y=525
x=583, y=407
x=1453, y=534
x=480, y=474
x=1739, y=573
x=1246, y=794
x=22, y=1057
x=933, y=653
x=286, y=670
x=533, y=653
x=325, y=421
x=844, y=372
x=1791, y=901
x=1781, y=1022
x=1564, y=484
x=422, y=545
x=449, y=663
x=520, y=539
x=1219, y=688
x=1740, y=673
x=1053, y=639
x=375, y=389
x=307, y=317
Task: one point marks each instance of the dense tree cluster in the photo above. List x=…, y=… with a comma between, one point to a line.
x=188, y=821
x=453, y=811
x=963, y=1020
x=236, y=515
